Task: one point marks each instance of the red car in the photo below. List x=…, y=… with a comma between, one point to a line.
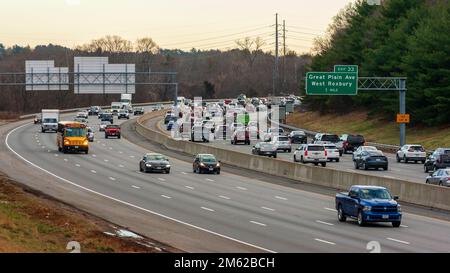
x=112, y=130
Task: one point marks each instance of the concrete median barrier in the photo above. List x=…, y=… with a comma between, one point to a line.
x=410, y=192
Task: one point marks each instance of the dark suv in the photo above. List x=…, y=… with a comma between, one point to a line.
x=439, y=159
x=352, y=142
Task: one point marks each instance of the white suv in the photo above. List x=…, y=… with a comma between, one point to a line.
x=282, y=143
x=332, y=152
x=412, y=153
x=311, y=153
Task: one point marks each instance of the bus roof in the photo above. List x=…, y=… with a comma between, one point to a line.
x=72, y=124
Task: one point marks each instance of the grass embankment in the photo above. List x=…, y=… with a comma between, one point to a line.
x=33, y=223
x=374, y=129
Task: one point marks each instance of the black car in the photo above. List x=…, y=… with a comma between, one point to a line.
x=265, y=149
x=206, y=163
x=138, y=111
x=107, y=117
x=371, y=160
x=154, y=162
x=298, y=137
x=439, y=159
x=93, y=110
x=352, y=142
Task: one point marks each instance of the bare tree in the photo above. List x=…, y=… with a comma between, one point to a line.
x=251, y=48
x=146, y=45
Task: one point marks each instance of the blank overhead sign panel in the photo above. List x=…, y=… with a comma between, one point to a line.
x=43, y=75
x=94, y=75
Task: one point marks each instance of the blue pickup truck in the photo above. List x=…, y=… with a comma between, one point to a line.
x=368, y=204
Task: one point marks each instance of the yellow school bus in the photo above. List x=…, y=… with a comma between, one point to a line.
x=71, y=136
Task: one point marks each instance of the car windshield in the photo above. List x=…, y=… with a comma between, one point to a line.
x=331, y=138
x=283, y=139
x=75, y=132
x=417, y=148
x=447, y=172
x=156, y=157
x=358, y=139
x=112, y=126
x=50, y=120
x=329, y=147
x=374, y=194
x=316, y=148
x=208, y=159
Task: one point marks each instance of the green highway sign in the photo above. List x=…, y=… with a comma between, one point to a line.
x=346, y=68
x=331, y=83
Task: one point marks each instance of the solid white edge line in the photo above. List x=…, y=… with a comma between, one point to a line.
x=127, y=203
x=398, y=241
x=323, y=241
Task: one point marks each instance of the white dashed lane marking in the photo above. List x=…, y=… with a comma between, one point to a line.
x=165, y=196
x=269, y=209
x=93, y=171
x=281, y=198
x=398, y=241
x=208, y=209
x=224, y=197
x=136, y=187
x=189, y=187
x=112, y=178
x=161, y=179
x=242, y=188
x=258, y=223
x=325, y=242
x=78, y=165
x=324, y=223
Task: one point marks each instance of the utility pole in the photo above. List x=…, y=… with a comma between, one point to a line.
x=275, y=68
x=284, y=56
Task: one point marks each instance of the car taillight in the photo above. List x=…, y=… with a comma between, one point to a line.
x=326, y=154
x=306, y=153
x=345, y=143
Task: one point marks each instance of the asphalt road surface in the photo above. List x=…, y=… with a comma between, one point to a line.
x=257, y=215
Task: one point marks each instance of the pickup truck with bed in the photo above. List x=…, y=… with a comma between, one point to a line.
x=368, y=204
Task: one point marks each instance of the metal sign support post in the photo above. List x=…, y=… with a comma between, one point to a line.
x=402, y=99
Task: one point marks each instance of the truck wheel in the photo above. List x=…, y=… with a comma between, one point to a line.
x=396, y=224
x=356, y=165
x=295, y=158
x=425, y=169
x=341, y=215
x=361, y=221
x=398, y=158
x=119, y=136
x=86, y=152
x=405, y=159
x=337, y=160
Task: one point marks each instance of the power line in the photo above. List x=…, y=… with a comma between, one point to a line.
x=216, y=37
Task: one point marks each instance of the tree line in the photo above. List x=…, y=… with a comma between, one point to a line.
x=207, y=73
x=399, y=38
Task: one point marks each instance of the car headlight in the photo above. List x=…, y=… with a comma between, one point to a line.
x=148, y=165
x=66, y=142
x=168, y=166
x=218, y=165
x=367, y=208
x=86, y=142
x=202, y=164
x=399, y=208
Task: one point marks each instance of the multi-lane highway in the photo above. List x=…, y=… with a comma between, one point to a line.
x=250, y=213
x=406, y=171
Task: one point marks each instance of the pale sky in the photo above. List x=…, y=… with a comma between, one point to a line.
x=183, y=24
